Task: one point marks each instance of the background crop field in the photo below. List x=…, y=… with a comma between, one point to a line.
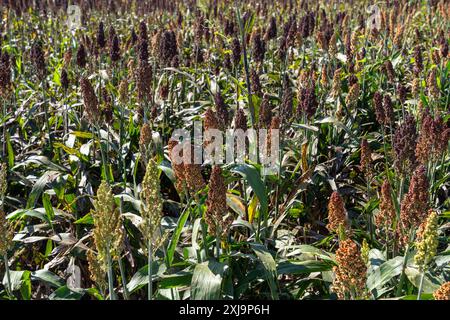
x=94, y=206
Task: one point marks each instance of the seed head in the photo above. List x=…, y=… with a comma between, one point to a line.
x=418, y=60
x=240, y=120
x=256, y=84
x=236, y=50
x=377, y=103
x=96, y=271
x=90, y=101
x=216, y=205
x=265, y=113
x=258, y=47
x=389, y=69
x=443, y=293
x=38, y=60
x=5, y=75
x=151, y=207
x=271, y=31
x=167, y=47
x=143, y=51
x=307, y=100
x=64, y=78
x=366, y=158
x=401, y=92
x=114, y=53
x=123, y=91
x=350, y=272
x=101, y=42
x=336, y=87
x=433, y=89
x=414, y=206
x=143, y=75
x=337, y=215
x=6, y=234
x=108, y=232
x=178, y=168
x=427, y=244
x=352, y=96
x=404, y=144
x=222, y=111
x=386, y=215
x=81, y=56
x=388, y=109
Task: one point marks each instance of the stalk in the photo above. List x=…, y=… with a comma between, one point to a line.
x=124, y=280
x=402, y=277
x=217, y=245
x=150, y=281
x=112, y=295
x=247, y=73
x=422, y=276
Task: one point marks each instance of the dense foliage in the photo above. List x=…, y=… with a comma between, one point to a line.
x=93, y=207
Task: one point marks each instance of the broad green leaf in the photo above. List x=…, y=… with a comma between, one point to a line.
x=176, y=236
x=47, y=277
x=207, y=281
x=430, y=284
x=303, y=267
x=270, y=267
x=140, y=278
x=384, y=273
x=64, y=293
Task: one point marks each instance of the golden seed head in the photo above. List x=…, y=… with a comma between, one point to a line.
x=108, y=232
x=96, y=271
x=428, y=242
x=151, y=207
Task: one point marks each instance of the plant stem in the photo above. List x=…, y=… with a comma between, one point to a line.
x=112, y=295
x=150, y=281
x=124, y=280
x=422, y=276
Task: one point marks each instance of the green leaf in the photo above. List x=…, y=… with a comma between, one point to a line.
x=384, y=273
x=64, y=293
x=25, y=288
x=86, y=219
x=48, y=207
x=16, y=279
x=252, y=176
x=303, y=267
x=140, y=278
x=430, y=284
x=207, y=281
x=180, y=279
x=36, y=213
x=39, y=186
x=176, y=236
x=47, y=277
x=270, y=267
x=10, y=151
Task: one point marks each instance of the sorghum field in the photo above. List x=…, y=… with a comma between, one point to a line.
x=94, y=205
